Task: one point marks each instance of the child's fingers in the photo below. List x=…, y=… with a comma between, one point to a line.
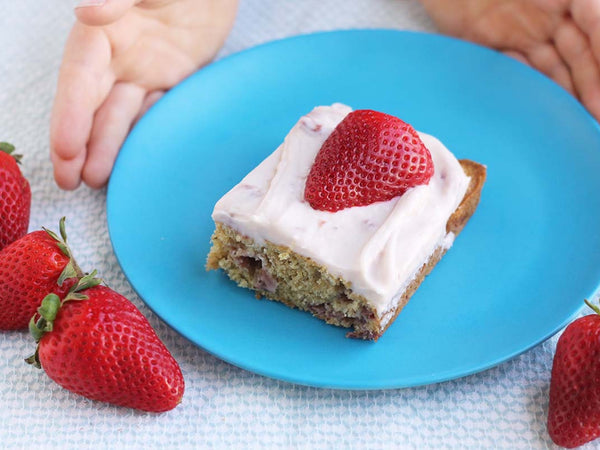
x=96, y=13
x=574, y=47
x=517, y=55
x=67, y=172
x=586, y=14
x=99, y=13
x=111, y=125
x=149, y=101
x=155, y=3
x=84, y=81
x=547, y=60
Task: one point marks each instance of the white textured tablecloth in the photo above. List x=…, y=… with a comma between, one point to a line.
x=224, y=407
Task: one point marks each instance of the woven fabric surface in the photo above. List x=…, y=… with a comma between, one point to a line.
x=224, y=406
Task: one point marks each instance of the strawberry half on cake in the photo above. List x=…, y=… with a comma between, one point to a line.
x=346, y=218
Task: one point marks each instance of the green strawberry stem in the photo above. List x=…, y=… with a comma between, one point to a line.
x=71, y=270
x=47, y=311
x=9, y=148
x=43, y=322
x=594, y=307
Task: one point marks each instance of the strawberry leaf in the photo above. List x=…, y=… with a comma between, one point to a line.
x=6, y=147
x=52, y=234
x=594, y=307
x=62, y=244
x=86, y=282
x=9, y=149
x=34, y=330
x=38, y=326
x=48, y=309
x=70, y=271
x=61, y=227
x=34, y=359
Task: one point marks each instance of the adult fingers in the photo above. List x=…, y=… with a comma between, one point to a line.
x=575, y=49
x=84, y=81
x=112, y=123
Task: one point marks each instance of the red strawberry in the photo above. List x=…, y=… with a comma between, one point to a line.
x=369, y=157
x=96, y=343
x=15, y=197
x=30, y=268
x=574, y=410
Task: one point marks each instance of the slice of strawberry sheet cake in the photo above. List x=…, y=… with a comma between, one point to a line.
x=346, y=218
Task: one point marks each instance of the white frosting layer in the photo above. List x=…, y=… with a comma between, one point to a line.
x=377, y=248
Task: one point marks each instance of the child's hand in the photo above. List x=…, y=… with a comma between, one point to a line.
x=560, y=38
x=119, y=58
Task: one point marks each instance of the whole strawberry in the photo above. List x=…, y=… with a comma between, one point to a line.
x=574, y=409
x=97, y=344
x=369, y=157
x=30, y=268
x=15, y=197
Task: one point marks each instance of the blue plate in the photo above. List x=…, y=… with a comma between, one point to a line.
x=516, y=275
